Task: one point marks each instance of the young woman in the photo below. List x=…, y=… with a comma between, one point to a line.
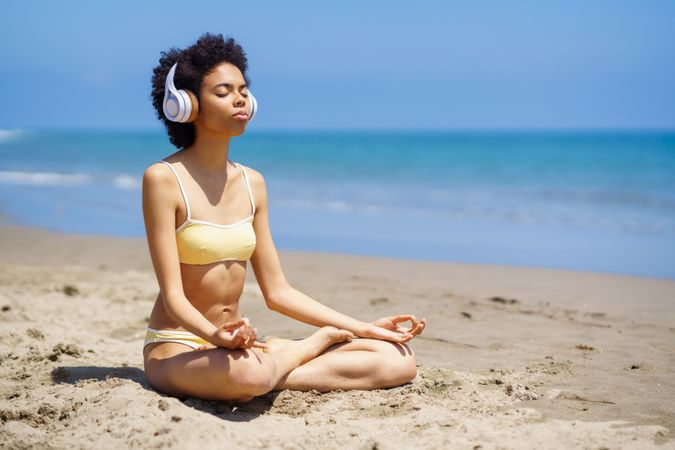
x=205, y=217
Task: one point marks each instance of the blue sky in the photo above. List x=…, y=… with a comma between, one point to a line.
x=349, y=65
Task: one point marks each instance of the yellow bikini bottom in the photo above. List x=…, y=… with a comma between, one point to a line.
x=153, y=336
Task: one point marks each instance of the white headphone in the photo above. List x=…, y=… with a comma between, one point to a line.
x=182, y=106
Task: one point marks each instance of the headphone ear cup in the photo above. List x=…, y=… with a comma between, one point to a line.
x=186, y=106
x=177, y=105
x=194, y=106
x=174, y=106
x=253, y=106
x=180, y=105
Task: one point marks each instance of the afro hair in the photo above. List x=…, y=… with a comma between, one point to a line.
x=194, y=63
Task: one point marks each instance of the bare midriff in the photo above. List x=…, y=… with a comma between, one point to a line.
x=213, y=289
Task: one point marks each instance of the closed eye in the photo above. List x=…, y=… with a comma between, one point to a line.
x=243, y=94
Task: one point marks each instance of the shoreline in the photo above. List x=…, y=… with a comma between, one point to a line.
x=18, y=230
x=511, y=356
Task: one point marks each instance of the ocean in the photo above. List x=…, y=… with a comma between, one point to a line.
x=583, y=200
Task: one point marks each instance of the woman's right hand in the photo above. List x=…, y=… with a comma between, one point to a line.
x=236, y=335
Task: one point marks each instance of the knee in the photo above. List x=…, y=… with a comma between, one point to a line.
x=407, y=365
x=255, y=378
x=399, y=366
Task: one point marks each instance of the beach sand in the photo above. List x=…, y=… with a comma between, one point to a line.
x=511, y=357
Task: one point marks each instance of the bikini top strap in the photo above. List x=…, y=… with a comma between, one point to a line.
x=248, y=187
x=180, y=185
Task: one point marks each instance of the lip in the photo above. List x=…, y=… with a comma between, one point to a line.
x=241, y=115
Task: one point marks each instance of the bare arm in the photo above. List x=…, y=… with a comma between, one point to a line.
x=159, y=212
x=295, y=304
x=280, y=296
x=278, y=293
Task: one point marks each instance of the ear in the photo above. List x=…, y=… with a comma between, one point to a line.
x=195, y=106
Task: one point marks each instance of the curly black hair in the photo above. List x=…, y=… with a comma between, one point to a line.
x=194, y=63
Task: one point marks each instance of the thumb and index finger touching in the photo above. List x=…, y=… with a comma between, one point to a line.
x=238, y=324
x=230, y=326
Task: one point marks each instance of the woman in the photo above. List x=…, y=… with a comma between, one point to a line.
x=205, y=216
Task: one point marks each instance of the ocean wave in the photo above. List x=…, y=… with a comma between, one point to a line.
x=11, y=135
x=530, y=214
x=43, y=178
x=20, y=178
x=630, y=211
x=614, y=198
x=126, y=182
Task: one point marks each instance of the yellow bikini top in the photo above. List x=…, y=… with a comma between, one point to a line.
x=202, y=242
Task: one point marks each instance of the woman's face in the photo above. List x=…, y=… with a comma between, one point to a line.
x=223, y=94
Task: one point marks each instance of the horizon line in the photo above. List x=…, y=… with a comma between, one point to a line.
x=367, y=130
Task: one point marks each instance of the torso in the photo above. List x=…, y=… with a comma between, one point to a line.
x=213, y=289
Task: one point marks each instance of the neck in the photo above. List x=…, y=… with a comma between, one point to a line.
x=210, y=150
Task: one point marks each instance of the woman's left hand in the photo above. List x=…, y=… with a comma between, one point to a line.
x=387, y=328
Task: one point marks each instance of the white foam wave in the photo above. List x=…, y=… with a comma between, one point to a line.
x=20, y=178
x=10, y=135
x=126, y=182
x=43, y=178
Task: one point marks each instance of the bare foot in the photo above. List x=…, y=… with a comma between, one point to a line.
x=324, y=337
x=330, y=334
x=311, y=346
x=333, y=335
x=278, y=344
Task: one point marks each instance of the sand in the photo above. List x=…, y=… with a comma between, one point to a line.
x=511, y=357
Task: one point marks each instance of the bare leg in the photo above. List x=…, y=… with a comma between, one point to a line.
x=236, y=374
x=359, y=364
x=306, y=349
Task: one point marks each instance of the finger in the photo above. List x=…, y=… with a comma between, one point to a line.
x=259, y=344
x=249, y=334
x=403, y=339
x=248, y=331
x=239, y=337
x=405, y=318
x=387, y=325
x=232, y=325
x=248, y=342
x=398, y=337
x=402, y=318
x=417, y=329
x=245, y=335
x=423, y=324
x=237, y=341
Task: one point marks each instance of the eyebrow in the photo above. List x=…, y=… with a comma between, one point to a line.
x=228, y=85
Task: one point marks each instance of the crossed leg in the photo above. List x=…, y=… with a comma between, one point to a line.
x=224, y=374
x=312, y=363
x=358, y=364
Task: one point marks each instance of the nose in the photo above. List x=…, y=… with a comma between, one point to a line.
x=239, y=100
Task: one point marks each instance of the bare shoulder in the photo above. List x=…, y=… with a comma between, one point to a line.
x=157, y=174
x=256, y=179
x=159, y=186
x=258, y=189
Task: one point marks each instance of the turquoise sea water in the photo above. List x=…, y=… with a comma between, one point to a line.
x=601, y=201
